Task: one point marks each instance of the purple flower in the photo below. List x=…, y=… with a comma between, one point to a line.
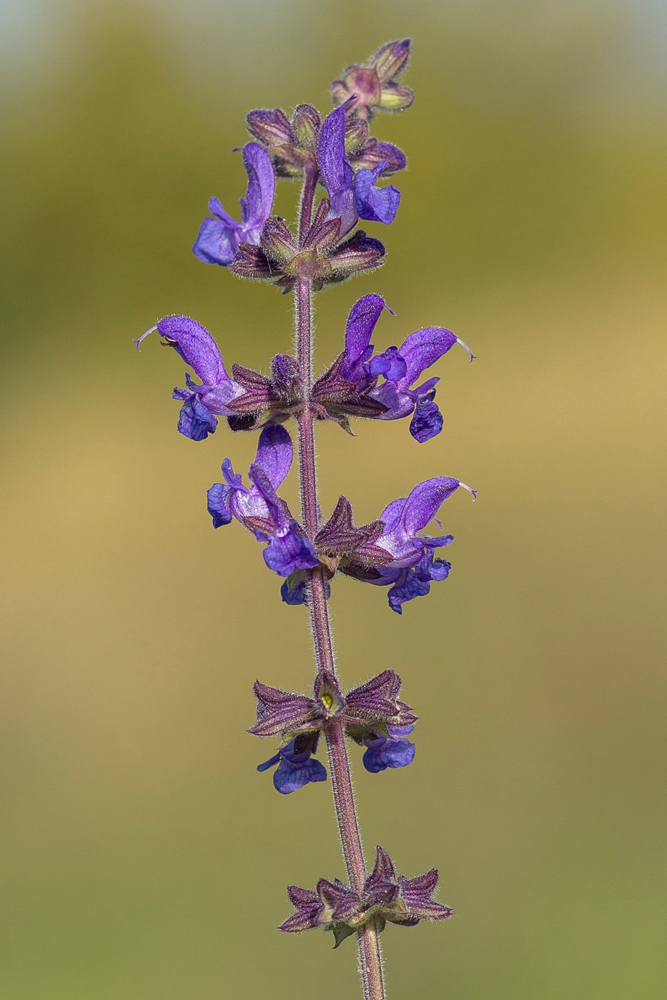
x=296, y=766
x=352, y=196
x=400, y=367
x=260, y=509
x=411, y=566
x=219, y=237
x=198, y=349
x=388, y=751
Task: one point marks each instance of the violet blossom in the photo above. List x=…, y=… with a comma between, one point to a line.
x=400, y=367
x=219, y=237
x=392, y=750
x=296, y=766
x=372, y=715
x=201, y=402
x=259, y=508
x=352, y=196
x=412, y=565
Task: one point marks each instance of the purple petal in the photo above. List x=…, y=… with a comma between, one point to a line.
x=390, y=364
x=373, y=203
x=267, y=496
x=440, y=570
x=424, y=502
x=436, y=543
x=400, y=730
x=388, y=753
x=216, y=242
x=407, y=588
x=231, y=478
x=196, y=346
x=288, y=779
x=218, y=504
x=274, y=453
x=289, y=552
x=399, y=402
x=335, y=170
x=216, y=209
x=271, y=762
x=422, y=349
x=427, y=421
x=261, y=188
x=392, y=514
x=364, y=314
x=195, y=421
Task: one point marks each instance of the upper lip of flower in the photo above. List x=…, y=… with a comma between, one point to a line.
x=352, y=196
x=219, y=237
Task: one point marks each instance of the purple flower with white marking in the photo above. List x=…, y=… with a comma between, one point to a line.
x=259, y=508
x=296, y=766
x=411, y=566
x=220, y=236
x=352, y=196
x=201, y=402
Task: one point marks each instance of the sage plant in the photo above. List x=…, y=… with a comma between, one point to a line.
x=342, y=169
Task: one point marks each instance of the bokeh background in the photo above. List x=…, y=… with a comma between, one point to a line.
x=143, y=858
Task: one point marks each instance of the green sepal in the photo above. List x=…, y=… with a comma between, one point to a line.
x=295, y=578
x=340, y=932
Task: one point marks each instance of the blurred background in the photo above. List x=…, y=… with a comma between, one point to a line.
x=143, y=858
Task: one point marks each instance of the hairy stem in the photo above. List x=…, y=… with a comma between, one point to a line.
x=370, y=963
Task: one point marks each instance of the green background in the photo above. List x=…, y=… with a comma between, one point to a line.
x=142, y=856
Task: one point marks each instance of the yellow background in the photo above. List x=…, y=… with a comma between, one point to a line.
x=142, y=856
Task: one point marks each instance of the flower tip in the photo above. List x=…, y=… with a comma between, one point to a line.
x=138, y=340
x=472, y=356
x=470, y=490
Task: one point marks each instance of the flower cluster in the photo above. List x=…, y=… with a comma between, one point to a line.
x=345, y=160
x=385, y=897
x=372, y=715
x=359, y=383
x=390, y=552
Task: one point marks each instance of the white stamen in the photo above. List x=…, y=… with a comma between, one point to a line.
x=472, y=356
x=143, y=337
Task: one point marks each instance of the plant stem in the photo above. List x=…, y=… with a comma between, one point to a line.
x=370, y=963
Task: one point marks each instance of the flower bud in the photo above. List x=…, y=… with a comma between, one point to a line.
x=375, y=86
x=306, y=123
